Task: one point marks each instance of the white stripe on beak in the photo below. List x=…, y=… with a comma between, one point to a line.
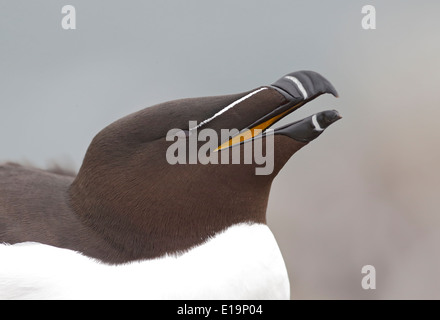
x=299, y=85
x=316, y=124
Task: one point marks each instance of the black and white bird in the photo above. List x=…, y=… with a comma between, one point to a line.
x=131, y=225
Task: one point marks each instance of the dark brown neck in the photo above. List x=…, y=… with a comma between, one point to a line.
x=145, y=212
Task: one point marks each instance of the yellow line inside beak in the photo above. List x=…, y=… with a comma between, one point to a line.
x=252, y=132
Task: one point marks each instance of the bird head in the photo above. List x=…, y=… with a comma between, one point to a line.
x=170, y=176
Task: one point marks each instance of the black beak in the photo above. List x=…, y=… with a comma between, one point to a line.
x=310, y=128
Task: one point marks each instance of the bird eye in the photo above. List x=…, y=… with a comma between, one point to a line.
x=183, y=134
x=179, y=133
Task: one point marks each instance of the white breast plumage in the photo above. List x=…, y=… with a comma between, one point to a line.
x=243, y=262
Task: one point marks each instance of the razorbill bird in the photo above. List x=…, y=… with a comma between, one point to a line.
x=132, y=225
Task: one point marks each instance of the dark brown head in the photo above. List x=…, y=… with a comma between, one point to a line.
x=157, y=181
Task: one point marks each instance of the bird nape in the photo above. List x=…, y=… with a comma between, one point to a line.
x=174, y=195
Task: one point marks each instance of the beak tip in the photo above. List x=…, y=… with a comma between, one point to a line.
x=331, y=116
x=306, y=84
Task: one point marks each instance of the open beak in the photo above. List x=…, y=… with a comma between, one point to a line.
x=298, y=88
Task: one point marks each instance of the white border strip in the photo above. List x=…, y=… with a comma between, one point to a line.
x=228, y=107
x=316, y=123
x=299, y=85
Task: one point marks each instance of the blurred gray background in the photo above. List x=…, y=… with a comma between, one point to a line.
x=365, y=192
